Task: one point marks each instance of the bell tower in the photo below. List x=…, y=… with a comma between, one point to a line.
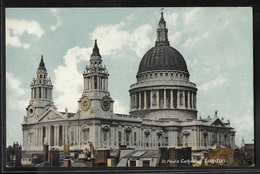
x=41, y=94
x=95, y=100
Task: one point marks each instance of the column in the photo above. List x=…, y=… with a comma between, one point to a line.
x=191, y=98
x=201, y=139
x=106, y=84
x=103, y=83
x=48, y=134
x=132, y=139
x=144, y=99
x=171, y=99
x=178, y=98
x=135, y=100
x=99, y=137
x=111, y=136
x=54, y=134
x=86, y=83
x=157, y=99
x=66, y=139
x=34, y=137
x=164, y=98
x=184, y=99
x=37, y=136
x=89, y=83
x=117, y=134
x=151, y=99
x=58, y=135
x=98, y=85
x=75, y=136
x=131, y=103
x=140, y=100
x=188, y=104
x=40, y=136
x=195, y=98
x=122, y=135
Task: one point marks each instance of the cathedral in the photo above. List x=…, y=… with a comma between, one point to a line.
x=162, y=108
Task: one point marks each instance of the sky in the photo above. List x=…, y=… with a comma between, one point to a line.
x=216, y=42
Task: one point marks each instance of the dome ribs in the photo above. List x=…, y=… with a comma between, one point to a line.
x=162, y=57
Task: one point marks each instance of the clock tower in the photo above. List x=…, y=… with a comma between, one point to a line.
x=41, y=94
x=95, y=100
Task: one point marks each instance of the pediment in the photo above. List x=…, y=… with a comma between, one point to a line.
x=217, y=122
x=51, y=115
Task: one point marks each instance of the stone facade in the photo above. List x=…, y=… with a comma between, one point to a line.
x=163, y=108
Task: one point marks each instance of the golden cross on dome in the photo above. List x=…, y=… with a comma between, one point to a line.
x=162, y=9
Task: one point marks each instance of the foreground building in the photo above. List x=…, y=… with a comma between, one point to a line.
x=163, y=108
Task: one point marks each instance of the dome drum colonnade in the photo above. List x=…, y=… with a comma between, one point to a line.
x=163, y=81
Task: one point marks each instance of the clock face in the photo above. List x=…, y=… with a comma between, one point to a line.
x=85, y=103
x=105, y=103
x=31, y=110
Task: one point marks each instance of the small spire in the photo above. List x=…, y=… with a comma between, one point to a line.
x=42, y=65
x=95, y=50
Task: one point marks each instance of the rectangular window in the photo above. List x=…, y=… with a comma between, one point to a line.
x=132, y=163
x=146, y=163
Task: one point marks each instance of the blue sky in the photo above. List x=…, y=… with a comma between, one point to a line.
x=217, y=44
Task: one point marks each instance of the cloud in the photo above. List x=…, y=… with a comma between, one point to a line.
x=116, y=37
x=119, y=108
x=15, y=93
x=56, y=13
x=68, y=80
x=216, y=83
x=16, y=29
x=13, y=84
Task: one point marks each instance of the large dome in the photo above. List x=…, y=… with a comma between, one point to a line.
x=162, y=57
